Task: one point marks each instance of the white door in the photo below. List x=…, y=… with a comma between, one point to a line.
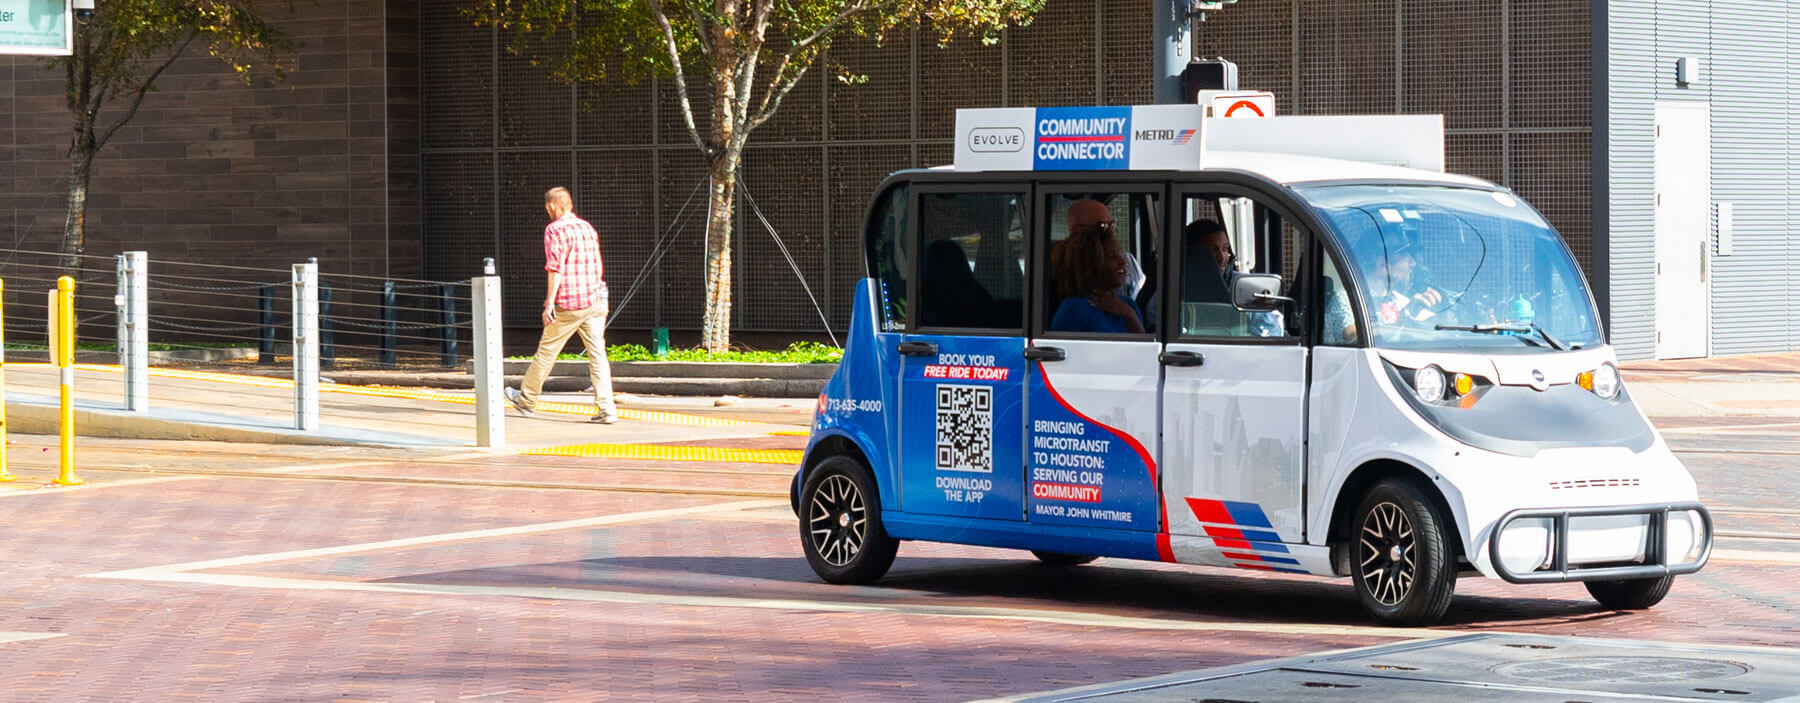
x=1683, y=180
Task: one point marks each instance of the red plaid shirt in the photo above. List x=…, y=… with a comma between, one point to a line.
x=572, y=248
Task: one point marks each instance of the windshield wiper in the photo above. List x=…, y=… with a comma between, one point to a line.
x=1512, y=328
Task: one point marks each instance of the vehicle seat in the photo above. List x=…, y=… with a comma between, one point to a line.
x=951, y=294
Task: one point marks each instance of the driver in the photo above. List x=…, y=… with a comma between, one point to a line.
x=1396, y=294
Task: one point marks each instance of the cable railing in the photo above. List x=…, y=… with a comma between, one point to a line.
x=200, y=314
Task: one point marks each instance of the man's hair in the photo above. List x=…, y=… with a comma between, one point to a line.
x=1199, y=229
x=1079, y=263
x=559, y=195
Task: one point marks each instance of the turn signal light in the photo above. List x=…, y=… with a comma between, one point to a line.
x=1585, y=379
x=1464, y=384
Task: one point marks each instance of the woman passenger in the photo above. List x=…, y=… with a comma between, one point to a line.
x=1088, y=269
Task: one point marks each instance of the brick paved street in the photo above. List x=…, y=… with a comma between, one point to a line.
x=312, y=574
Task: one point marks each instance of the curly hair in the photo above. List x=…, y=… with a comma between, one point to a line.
x=1079, y=263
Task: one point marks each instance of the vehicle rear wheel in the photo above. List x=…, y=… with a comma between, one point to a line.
x=1630, y=594
x=1405, y=569
x=840, y=523
x=1061, y=559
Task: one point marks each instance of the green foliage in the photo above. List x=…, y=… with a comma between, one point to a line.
x=760, y=47
x=126, y=45
x=796, y=353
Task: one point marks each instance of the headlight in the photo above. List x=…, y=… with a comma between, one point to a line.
x=1429, y=382
x=1606, y=381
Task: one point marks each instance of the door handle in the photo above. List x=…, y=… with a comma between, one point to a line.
x=1181, y=358
x=917, y=349
x=1045, y=354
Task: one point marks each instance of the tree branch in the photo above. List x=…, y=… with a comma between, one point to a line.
x=849, y=11
x=687, y=109
x=143, y=89
x=772, y=98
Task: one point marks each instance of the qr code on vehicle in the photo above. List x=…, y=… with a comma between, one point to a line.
x=965, y=428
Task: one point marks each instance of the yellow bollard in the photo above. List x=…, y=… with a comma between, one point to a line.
x=4, y=475
x=62, y=349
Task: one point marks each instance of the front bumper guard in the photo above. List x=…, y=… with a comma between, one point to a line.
x=1655, y=561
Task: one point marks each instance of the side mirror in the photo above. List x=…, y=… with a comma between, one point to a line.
x=1258, y=291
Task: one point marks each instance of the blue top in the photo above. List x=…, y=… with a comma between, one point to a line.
x=1077, y=315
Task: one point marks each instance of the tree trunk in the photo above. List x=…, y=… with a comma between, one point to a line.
x=81, y=168
x=715, y=326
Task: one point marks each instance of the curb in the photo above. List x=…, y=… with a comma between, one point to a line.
x=37, y=415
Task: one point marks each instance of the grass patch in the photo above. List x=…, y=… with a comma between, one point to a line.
x=796, y=353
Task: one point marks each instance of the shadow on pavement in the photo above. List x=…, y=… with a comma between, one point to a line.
x=1110, y=587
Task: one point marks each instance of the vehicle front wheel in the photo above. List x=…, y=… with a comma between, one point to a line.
x=1405, y=569
x=1061, y=559
x=840, y=523
x=1631, y=594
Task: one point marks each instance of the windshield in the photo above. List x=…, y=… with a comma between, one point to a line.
x=1454, y=268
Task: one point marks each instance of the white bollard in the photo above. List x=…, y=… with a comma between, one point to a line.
x=490, y=369
x=306, y=346
x=132, y=300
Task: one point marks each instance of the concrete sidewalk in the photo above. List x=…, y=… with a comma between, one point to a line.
x=1718, y=387
x=245, y=408
x=240, y=408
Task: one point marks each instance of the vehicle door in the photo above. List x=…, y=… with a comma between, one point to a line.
x=962, y=389
x=1234, y=388
x=1094, y=377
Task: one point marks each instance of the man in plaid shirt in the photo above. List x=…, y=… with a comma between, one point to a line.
x=574, y=302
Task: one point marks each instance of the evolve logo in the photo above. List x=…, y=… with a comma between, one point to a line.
x=1078, y=138
x=996, y=139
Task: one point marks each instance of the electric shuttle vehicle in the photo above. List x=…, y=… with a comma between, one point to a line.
x=1345, y=362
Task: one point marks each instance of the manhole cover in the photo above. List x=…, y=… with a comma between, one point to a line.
x=1621, y=670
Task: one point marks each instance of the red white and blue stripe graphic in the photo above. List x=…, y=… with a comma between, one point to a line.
x=1244, y=535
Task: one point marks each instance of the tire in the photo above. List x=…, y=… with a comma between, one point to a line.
x=1061, y=559
x=1404, y=563
x=1632, y=594
x=840, y=523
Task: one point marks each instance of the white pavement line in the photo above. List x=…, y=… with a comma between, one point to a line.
x=84, y=488
x=1728, y=428
x=6, y=637
x=1755, y=557
x=162, y=573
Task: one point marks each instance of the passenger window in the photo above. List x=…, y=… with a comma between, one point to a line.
x=973, y=273
x=887, y=254
x=1224, y=237
x=1100, y=260
x=1339, y=321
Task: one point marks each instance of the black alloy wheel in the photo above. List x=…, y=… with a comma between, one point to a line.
x=1405, y=570
x=840, y=523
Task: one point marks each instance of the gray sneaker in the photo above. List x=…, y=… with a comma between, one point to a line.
x=604, y=418
x=518, y=401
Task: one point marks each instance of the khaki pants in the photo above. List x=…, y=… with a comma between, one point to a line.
x=591, y=324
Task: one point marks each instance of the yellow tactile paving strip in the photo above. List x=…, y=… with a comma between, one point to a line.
x=663, y=452
x=657, y=416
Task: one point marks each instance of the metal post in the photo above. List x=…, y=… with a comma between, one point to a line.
x=484, y=304
x=447, y=327
x=389, y=326
x=306, y=347
x=62, y=353
x=132, y=300
x=265, y=305
x=327, y=340
x=1174, y=48
x=4, y=475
